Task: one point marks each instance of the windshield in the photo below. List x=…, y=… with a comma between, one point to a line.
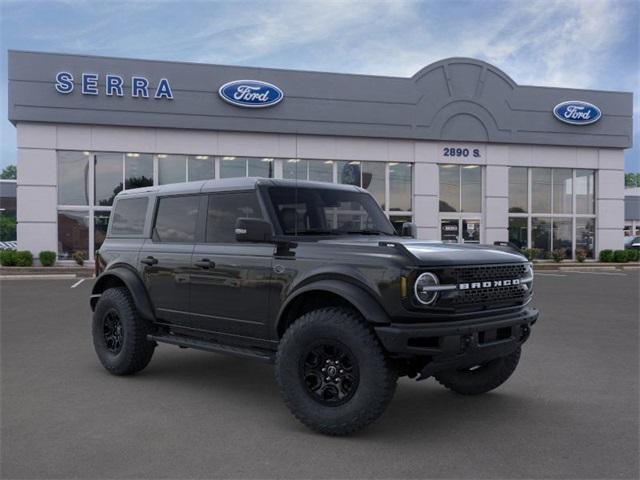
x=324, y=211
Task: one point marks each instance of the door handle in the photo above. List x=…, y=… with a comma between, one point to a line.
x=205, y=263
x=149, y=261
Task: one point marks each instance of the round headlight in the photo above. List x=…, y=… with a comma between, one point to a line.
x=424, y=289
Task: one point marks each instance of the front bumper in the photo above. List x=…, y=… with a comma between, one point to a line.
x=461, y=344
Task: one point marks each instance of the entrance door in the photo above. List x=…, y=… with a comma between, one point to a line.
x=470, y=230
x=460, y=230
x=450, y=230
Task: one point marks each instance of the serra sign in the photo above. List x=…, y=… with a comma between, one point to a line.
x=113, y=85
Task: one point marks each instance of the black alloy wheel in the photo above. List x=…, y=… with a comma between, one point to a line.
x=112, y=331
x=330, y=373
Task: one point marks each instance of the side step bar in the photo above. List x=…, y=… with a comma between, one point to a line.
x=186, y=342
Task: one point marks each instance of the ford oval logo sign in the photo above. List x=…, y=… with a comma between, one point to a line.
x=577, y=112
x=250, y=93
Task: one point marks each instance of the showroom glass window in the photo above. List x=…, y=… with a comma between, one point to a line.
x=138, y=170
x=172, y=169
x=73, y=178
x=108, y=172
x=460, y=188
x=460, y=203
x=518, y=190
x=73, y=233
x=400, y=186
x=295, y=169
x=200, y=167
x=89, y=181
x=231, y=167
x=552, y=209
x=314, y=170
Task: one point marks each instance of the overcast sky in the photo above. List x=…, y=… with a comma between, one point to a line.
x=568, y=43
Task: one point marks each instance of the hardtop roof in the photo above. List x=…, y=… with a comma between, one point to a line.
x=230, y=184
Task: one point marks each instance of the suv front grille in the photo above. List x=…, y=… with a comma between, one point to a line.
x=490, y=295
x=490, y=272
x=475, y=295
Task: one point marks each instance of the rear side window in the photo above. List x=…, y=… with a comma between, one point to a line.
x=176, y=219
x=129, y=216
x=224, y=209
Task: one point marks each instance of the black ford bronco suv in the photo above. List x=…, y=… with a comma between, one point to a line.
x=312, y=277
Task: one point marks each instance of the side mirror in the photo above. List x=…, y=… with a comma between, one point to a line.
x=409, y=229
x=254, y=230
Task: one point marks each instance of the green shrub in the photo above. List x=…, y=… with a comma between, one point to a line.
x=47, y=258
x=79, y=256
x=633, y=255
x=581, y=254
x=8, y=258
x=528, y=252
x=24, y=258
x=620, y=256
x=606, y=256
x=7, y=227
x=558, y=255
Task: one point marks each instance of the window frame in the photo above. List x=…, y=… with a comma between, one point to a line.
x=574, y=216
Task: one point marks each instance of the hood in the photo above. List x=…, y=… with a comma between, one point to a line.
x=434, y=253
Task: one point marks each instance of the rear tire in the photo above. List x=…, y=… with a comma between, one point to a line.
x=119, y=334
x=357, y=382
x=482, y=379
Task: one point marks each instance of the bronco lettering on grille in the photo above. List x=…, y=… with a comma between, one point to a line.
x=488, y=284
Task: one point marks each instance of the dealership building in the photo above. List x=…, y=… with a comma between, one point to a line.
x=459, y=148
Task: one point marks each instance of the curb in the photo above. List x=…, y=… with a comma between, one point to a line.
x=585, y=266
x=45, y=272
x=52, y=276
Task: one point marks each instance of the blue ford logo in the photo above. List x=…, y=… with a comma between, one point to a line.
x=576, y=112
x=250, y=93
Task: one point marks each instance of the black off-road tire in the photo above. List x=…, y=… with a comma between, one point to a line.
x=376, y=375
x=481, y=379
x=135, y=350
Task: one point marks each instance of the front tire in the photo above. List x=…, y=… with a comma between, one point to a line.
x=482, y=378
x=119, y=334
x=333, y=373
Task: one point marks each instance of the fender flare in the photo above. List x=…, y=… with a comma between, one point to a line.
x=134, y=284
x=362, y=300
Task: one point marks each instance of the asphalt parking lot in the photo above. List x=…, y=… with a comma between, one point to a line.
x=569, y=411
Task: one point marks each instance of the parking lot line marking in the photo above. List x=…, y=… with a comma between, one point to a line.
x=78, y=283
x=551, y=274
x=600, y=273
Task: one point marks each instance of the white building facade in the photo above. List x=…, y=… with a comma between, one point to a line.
x=459, y=149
